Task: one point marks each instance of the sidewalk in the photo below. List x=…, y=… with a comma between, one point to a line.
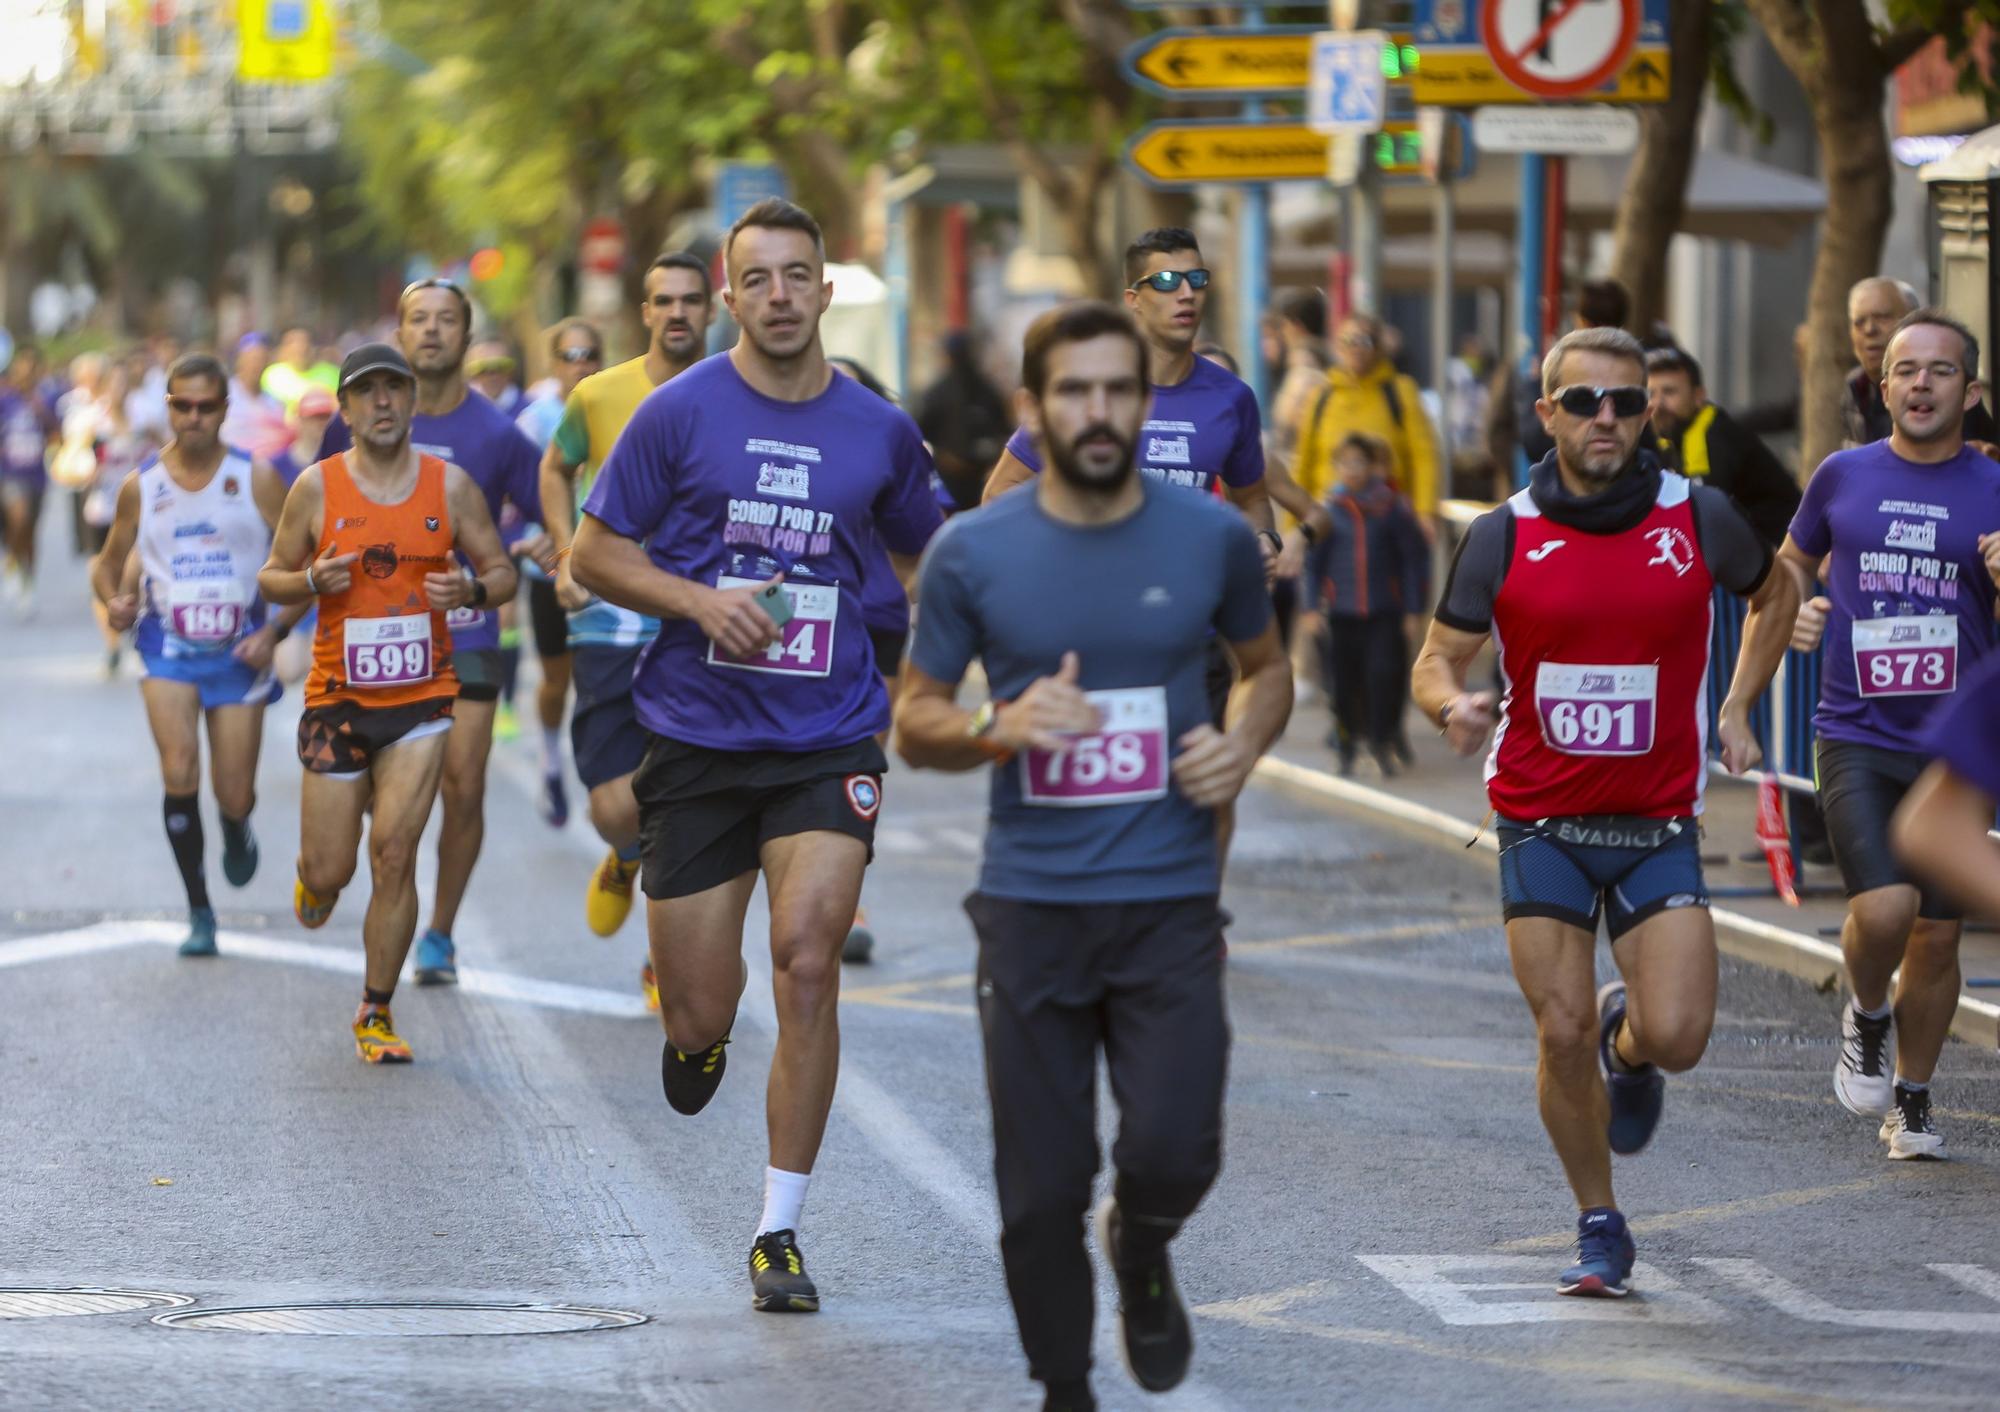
x=1445, y=797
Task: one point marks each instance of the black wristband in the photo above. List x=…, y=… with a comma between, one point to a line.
x=279, y=632
x=1277, y=544
x=1310, y=534
x=478, y=599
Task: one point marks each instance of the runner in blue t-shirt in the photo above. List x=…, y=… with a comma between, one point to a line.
x=1091, y=602
x=1908, y=530
x=452, y=422
x=737, y=507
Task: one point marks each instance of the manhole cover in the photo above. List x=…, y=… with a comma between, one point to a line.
x=413, y=1319
x=60, y=1303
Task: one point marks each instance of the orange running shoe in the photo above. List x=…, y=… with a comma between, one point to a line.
x=375, y=1038
x=650, y=988
x=311, y=911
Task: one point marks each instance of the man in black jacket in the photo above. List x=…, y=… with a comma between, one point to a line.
x=1703, y=442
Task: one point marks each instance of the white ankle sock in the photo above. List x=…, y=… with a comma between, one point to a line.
x=784, y=1199
x=1881, y=1014
x=551, y=750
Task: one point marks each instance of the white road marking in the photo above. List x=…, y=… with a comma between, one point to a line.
x=475, y=980
x=1449, y=1286
x=1753, y=1279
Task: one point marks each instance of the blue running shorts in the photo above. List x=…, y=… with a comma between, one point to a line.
x=1582, y=867
x=222, y=679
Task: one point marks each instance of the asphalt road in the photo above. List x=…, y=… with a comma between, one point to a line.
x=1386, y=1232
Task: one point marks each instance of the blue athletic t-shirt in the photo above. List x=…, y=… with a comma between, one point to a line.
x=725, y=486
x=1136, y=602
x=1202, y=428
x=1912, y=601
x=478, y=438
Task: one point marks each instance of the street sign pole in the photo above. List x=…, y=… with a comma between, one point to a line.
x=1528, y=285
x=1253, y=276
x=1445, y=224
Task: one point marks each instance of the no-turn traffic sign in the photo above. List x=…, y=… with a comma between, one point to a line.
x=1559, y=48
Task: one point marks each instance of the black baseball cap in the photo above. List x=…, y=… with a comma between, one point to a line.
x=374, y=358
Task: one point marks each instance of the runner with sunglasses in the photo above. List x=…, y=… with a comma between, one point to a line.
x=461, y=427
x=201, y=516
x=1204, y=428
x=576, y=351
x=1908, y=529
x=1595, y=583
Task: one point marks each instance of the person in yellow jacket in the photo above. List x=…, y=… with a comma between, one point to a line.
x=1364, y=393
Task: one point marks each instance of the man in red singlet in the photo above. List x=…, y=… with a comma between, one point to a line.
x=1596, y=584
x=370, y=534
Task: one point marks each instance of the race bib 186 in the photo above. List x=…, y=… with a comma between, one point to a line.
x=1906, y=656
x=1124, y=762
x=464, y=619
x=207, y=614
x=383, y=652
x=1588, y=710
x=805, y=644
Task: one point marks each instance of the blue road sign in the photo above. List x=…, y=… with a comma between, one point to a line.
x=1349, y=92
x=741, y=185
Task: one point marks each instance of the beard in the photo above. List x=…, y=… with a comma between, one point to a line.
x=1066, y=461
x=681, y=343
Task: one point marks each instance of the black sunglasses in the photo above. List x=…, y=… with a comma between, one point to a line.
x=578, y=355
x=1583, y=401
x=197, y=406
x=1167, y=281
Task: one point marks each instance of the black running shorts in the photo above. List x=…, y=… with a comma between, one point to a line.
x=550, y=622
x=341, y=739
x=479, y=673
x=1859, y=789
x=705, y=815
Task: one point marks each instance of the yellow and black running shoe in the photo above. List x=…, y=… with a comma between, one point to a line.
x=690, y=1080
x=778, y=1280
x=608, y=902
x=375, y=1038
x=311, y=910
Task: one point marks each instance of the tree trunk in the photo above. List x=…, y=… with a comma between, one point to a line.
x=1854, y=155
x=1655, y=196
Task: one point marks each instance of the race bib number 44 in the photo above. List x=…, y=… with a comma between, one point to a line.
x=1906, y=656
x=383, y=652
x=805, y=644
x=1589, y=710
x=207, y=614
x=1123, y=763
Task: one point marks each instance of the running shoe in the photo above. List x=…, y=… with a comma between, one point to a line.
x=506, y=725
x=375, y=1038
x=311, y=911
x=1908, y=1129
x=554, y=801
x=1636, y=1097
x=860, y=944
x=608, y=900
x=201, y=933
x=650, y=988
x=1861, y=1078
x=1604, y=1255
x=1152, y=1318
x=239, y=865
x=437, y=959
x=690, y=1080
x=778, y=1280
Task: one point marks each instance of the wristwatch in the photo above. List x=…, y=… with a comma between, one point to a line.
x=1306, y=530
x=979, y=730
x=1277, y=544
x=1444, y=716
x=478, y=598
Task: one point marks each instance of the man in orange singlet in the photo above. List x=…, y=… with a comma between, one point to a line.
x=379, y=699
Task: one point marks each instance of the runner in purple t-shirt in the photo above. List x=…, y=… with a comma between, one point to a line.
x=738, y=507
x=27, y=426
x=1908, y=530
x=1943, y=828
x=457, y=425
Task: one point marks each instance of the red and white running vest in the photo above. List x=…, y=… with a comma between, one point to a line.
x=1603, y=643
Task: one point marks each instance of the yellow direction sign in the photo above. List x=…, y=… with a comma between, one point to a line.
x=1222, y=62
x=1461, y=78
x=1178, y=154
